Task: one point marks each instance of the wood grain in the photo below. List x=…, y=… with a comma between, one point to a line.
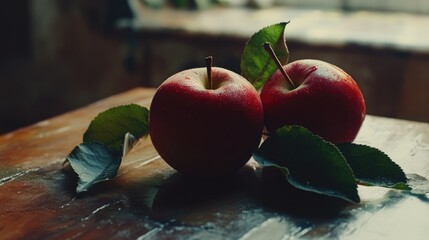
x=149, y=200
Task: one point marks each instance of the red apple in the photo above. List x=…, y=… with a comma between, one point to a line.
x=206, y=122
x=322, y=97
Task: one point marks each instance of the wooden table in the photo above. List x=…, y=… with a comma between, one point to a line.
x=149, y=200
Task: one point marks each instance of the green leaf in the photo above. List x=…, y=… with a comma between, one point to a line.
x=309, y=162
x=373, y=167
x=108, y=139
x=256, y=64
x=110, y=126
x=93, y=162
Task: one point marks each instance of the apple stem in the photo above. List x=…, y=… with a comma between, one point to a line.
x=270, y=51
x=209, y=65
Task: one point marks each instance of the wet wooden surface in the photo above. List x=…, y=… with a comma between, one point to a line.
x=149, y=200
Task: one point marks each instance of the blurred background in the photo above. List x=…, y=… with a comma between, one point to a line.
x=58, y=55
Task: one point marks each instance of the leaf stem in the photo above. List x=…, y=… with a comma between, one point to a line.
x=270, y=51
x=209, y=65
x=265, y=133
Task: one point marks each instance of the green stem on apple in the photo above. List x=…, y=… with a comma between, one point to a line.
x=209, y=65
x=270, y=51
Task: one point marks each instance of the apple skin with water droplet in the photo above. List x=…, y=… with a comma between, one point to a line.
x=202, y=130
x=324, y=99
